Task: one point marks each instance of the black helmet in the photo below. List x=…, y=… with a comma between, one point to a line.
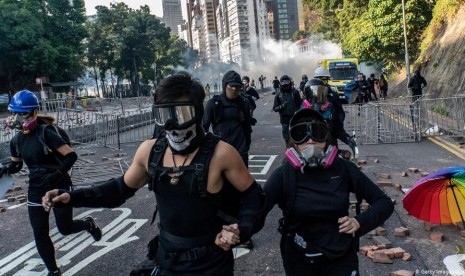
x=246, y=79
x=304, y=77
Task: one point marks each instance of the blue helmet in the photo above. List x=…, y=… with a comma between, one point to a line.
x=24, y=101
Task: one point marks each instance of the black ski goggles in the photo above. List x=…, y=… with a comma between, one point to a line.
x=179, y=113
x=300, y=133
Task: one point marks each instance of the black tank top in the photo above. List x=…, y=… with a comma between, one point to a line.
x=182, y=211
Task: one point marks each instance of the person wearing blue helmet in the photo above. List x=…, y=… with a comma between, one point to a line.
x=48, y=162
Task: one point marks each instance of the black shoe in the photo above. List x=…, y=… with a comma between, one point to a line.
x=248, y=244
x=94, y=230
x=54, y=273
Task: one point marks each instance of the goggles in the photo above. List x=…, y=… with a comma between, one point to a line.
x=286, y=82
x=180, y=113
x=20, y=113
x=301, y=132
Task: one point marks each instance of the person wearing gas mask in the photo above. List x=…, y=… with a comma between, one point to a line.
x=188, y=170
x=48, y=158
x=312, y=187
x=317, y=97
x=286, y=102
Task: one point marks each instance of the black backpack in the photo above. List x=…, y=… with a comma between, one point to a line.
x=60, y=131
x=41, y=135
x=231, y=199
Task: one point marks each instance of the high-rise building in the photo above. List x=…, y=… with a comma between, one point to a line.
x=242, y=31
x=286, y=18
x=172, y=15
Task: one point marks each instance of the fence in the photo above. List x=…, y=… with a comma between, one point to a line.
x=406, y=119
x=110, y=123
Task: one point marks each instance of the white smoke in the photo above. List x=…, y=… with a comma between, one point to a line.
x=280, y=59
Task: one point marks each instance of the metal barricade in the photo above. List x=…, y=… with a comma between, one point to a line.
x=378, y=122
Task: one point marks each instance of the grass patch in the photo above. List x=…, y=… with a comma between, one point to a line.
x=442, y=10
x=441, y=110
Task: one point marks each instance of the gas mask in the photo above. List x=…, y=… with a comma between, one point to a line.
x=311, y=157
x=20, y=122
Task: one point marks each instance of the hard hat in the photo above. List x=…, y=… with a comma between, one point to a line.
x=24, y=101
x=321, y=72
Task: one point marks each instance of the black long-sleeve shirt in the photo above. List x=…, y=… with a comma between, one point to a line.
x=322, y=196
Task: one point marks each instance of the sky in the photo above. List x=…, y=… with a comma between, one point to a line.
x=155, y=5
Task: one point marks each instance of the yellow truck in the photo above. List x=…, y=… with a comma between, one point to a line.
x=341, y=71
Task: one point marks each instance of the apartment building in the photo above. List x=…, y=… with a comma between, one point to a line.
x=228, y=30
x=172, y=15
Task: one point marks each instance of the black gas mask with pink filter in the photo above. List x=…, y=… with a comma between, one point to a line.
x=182, y=124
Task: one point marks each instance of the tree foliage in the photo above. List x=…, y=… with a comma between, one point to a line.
x=40, y=39
x=372, y=30
x=131, y=44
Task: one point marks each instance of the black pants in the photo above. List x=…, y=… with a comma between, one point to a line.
x=65, y=224
x=296, y=264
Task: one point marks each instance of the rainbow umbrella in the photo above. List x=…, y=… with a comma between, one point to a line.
x=438, y=197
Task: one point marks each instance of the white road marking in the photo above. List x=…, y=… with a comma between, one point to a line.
x=117, y=233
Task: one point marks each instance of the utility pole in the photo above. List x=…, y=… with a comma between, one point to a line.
x=407, y=63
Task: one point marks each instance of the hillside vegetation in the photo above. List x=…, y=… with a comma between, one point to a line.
x=442, y=55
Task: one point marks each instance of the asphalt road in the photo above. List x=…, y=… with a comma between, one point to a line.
x=127, y=229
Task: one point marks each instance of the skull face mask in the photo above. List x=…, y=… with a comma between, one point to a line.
x=180, y=139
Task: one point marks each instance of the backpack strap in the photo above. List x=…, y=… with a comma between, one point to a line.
x=203, y=163
x=155, y=157
x=217, y=109
x=289, y=187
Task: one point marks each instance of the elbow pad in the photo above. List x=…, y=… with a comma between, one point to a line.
x=110, y=194
x=68, y=161
x=14, y=167
x=253, y=202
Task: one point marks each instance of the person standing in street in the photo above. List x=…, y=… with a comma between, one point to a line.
x=373, y=82
x=229, y=115
x=383, y=84
x=48, y=157
x=189, y=178
x=286, y=102
x=312, y=188
x=416, y=84
x=276, y=85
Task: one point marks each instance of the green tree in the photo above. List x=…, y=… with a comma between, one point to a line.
x=131, y=44
x=377, y=35
x=40, y=38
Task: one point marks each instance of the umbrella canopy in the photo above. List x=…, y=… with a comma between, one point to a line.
x=438, y=197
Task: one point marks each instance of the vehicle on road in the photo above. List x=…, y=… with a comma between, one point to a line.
x=342, y=71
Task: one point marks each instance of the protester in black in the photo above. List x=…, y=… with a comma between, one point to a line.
x=193, y=239
x=372, y=82
x=383, y=84
x=417, y=83
x=318, y=95
x=286, y=102
x=229, y=115
x=276, y=85
x=302, y=83
x=319, y=237
x=48, y=158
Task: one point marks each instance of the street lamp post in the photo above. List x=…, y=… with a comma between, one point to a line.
x=407, y=63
